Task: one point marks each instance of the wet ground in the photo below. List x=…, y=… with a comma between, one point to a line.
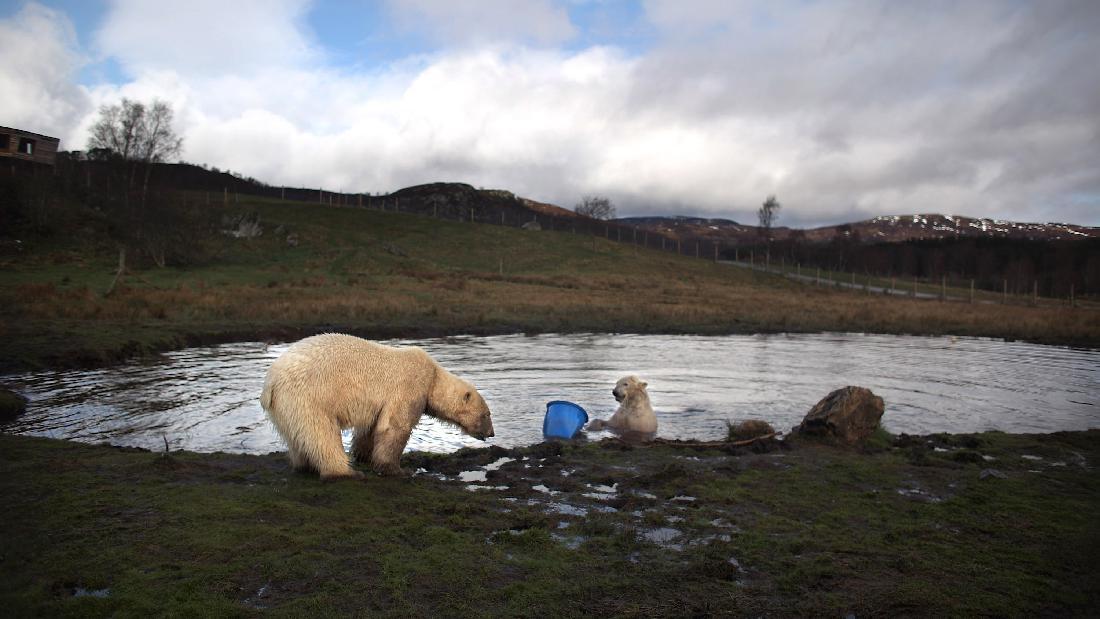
x=987, y=524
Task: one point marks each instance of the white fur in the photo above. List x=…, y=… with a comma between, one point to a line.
x=326, y=383
x=635, y=414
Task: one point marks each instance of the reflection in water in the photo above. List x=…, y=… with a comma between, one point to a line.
x=207, y=399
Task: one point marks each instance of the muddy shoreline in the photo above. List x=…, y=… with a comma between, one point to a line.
x=938, y=525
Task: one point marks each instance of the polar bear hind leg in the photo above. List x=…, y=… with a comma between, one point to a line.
x=362, y=445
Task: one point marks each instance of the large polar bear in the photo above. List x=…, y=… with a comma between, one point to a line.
x=325, y=383
x=635, y=415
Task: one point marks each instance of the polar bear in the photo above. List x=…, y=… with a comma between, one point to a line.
x=326, y=383
x=635, y=415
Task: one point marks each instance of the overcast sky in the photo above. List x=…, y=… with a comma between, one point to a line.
x=845, y=110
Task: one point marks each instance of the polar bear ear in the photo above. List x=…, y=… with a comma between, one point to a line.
x=643, y=384
x=466, y=397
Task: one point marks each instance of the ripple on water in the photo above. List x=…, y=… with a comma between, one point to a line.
x=207, y=399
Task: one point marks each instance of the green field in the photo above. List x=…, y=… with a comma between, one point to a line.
x=383, y=274
x=909, y=529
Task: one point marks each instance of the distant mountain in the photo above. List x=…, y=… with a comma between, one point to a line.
x=886, y=229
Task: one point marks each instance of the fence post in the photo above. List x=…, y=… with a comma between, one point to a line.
x=225, y=196
x=696, y=249
x=943, y=288
x=818, y=277
x=1035, y=293
x=1072, y=301
x=1004, y=296
x=914, y=286
x=972, y=292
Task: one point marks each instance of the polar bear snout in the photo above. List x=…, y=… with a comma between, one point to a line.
x=484, y=428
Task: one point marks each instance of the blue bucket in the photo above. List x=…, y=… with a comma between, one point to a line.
x=563, y=419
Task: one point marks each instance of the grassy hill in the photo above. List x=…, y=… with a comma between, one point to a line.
x=385, y=274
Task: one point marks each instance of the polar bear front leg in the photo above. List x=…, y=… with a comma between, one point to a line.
x=390, y=435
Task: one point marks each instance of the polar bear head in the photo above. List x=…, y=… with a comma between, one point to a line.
x=455, y=400
x=626, y=386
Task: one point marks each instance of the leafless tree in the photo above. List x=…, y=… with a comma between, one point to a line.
x=767, y=214
x=596, y=207
x=133, y=136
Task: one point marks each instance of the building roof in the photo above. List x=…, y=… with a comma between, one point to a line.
x=23, y=131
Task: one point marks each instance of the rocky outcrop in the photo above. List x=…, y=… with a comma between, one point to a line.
x=847, y=415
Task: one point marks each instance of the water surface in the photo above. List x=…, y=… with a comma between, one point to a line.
x=207, y=399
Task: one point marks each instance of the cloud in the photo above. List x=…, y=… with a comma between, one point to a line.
x=473, y=22
x=206, y=37
x=845, y=110
x=38, y=62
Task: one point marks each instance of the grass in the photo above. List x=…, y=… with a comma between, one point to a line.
x=388, y=274
x=795, y=532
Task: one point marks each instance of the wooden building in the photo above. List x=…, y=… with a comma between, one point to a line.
x=16, y=144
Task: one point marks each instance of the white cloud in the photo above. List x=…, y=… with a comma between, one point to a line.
x=845, y=111
x=38, y=61
x=205, y=37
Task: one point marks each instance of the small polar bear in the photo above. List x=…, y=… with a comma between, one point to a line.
x=635, y=415
x=326, y=383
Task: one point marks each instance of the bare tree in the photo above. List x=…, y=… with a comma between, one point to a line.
x=136, y=132
x=767, y=214
x=596, y=207
x=134, y=136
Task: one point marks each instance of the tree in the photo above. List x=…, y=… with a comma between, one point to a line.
x=131, y=135
x=136, y=133
x=768, y=213
x=596, y=207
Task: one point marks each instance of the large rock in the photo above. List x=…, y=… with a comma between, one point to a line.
x=12, y=405
x=847, y=415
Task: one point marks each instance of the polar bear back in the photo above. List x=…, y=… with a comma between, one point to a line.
x=346, y=379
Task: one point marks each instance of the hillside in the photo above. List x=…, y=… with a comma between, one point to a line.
x=317, y=267
x=884, y=229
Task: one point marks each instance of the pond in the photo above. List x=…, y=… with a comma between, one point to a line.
x=207, y=399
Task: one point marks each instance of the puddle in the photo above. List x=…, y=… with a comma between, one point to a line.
x=710, y=539
x=566, y=509
x=663, y=537
x=572, y=542
x=919, y=495
x=494, y=466
x=601, y=492
x=81, y=592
